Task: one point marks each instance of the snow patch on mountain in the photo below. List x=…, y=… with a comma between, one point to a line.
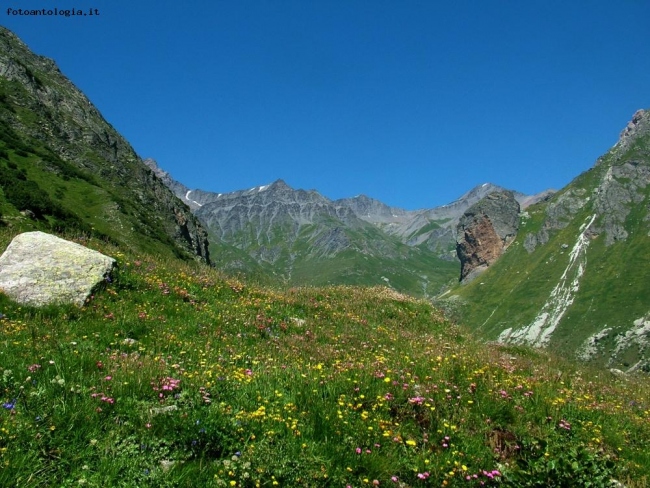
x=590, y=348
x=187, y=197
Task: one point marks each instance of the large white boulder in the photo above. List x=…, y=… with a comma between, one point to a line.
x=39, y=269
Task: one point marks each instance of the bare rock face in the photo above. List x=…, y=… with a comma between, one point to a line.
x=484, y=232
x=39, y=269
x=637, y=127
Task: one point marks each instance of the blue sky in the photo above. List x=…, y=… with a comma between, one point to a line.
x=410, y=102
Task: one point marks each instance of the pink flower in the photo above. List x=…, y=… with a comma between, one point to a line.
x=358, y=450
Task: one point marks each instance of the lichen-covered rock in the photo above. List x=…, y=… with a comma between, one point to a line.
x=39, y=269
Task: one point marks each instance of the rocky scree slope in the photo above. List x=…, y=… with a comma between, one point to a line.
x=576, y=276
x=86, y=173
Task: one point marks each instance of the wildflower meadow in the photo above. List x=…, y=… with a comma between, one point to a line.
x=175, y=375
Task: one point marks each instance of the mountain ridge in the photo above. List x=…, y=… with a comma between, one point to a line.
x=393, y=220
x=79, y=172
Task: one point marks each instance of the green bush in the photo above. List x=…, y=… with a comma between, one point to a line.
x=576, y=465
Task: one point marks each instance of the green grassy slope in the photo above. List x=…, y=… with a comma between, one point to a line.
x=372, y=258
x=67, y=199
x=174, y=375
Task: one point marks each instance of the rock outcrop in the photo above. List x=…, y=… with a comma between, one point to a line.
x=40, y=269
x=636, y=128
x=484, y=232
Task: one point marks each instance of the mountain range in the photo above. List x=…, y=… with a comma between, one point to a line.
x=566, y=269
x=301, y=237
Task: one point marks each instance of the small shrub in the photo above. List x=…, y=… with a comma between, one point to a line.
x=561, y=466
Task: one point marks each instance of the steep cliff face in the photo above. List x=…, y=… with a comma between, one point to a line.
x=484, y=232
x=55, y=126
x=575, y=277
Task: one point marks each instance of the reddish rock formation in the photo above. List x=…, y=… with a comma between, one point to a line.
x=485, y=231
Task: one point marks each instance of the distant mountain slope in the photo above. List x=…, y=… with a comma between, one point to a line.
x=302, y=237
x=577, y=276
x=435, y=228
x=68, y=169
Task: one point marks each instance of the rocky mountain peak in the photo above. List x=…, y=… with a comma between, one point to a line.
x=371, y=210
x=638, y=127
x=279, y=184
x=640, y=121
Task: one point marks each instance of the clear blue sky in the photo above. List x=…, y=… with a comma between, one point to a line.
x=411, y=102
